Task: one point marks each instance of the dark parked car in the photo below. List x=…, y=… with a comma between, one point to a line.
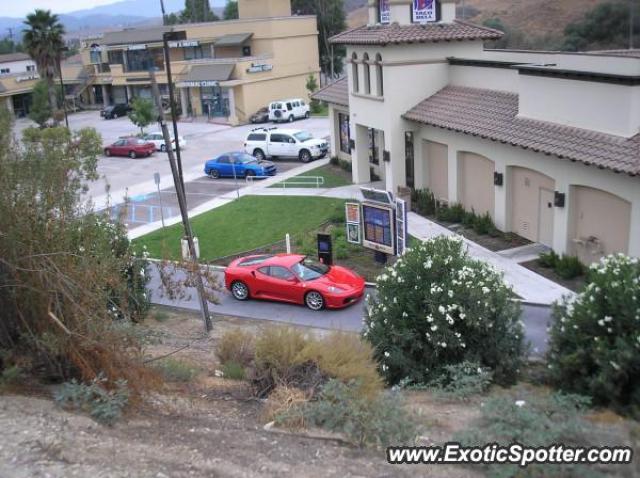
x=115, y=111
x=261, y=116
x=238, y=164
x=132, y=147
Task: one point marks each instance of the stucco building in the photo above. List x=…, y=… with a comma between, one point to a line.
x=225, y=70
x=547, y=143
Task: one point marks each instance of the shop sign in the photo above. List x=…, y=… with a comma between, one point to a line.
x=424, y=11
x=197, y=84
x=183, y=44
x=137, y=47
x=385, y=12
x=259, y=67
x=33, y=76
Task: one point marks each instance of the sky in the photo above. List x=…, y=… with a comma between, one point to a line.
x=19, y=8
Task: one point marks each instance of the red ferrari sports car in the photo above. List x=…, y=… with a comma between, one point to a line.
x=293, y=278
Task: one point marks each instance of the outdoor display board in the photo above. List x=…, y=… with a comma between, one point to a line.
x=353, y=222
x=401, y=226
x=379, y=227
x=424, y=11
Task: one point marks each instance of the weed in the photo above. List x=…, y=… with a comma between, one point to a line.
x=236, y=346
x=462, y=381
x=233, y=371
x=569, y=267
x=334, y=161
x=548, y=259
x=176, y=371
x=285, y=407
x=483, y=225
x=103, y=405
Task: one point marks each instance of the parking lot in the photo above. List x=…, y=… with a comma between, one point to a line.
x=134, y=178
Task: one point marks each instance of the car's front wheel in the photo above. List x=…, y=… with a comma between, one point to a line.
x=214, y=173
x=239, y=290
x=305, y=156
x=163, y=148
x=249, y=173
x=107, y=152
x=133, y=155
x=258, y=154
x=314, y=300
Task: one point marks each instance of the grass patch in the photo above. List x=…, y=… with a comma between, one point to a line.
x=333, y=177
x=175, y=370
x=244, y=225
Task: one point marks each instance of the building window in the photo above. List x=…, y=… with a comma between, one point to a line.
x=116, y=57
x=4, y=71
x=31, y=68
x=379, y=76
x=145, y=60
x=343, y=125
x=367, y=74
x=374, y=157
x=246, y=50
x=354, y=73
x=193, y=53
x=95, y=56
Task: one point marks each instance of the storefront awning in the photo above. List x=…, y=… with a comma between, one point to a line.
x=235, y=39
x=207, y=75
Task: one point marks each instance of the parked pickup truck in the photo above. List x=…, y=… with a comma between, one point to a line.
x=265, y=143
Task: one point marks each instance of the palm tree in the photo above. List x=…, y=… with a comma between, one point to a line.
x=43, y=40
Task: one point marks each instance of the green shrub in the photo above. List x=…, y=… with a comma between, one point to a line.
x=453, y=213
x=176, y=370
x=334, y=161
x=423, y=202
x=233, y=371
x=103, y=405
x=549, y=259
x=346, y=165
x=569, y=267
x=536, y=422
x=468, y=219
x=380, y=421
x=462, y=381
x=236, y=346
x=595, y=339
x=436, y=307
x=483, y=224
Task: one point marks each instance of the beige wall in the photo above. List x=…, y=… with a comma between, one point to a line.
x=602, y=215
x=435, y=156
x=529, y=189
x=253, y=96
x=264, y=8
x=475, y=186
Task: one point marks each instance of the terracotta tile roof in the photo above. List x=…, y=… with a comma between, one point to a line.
x=336, y=93
x=415, y=33
x=493, y=115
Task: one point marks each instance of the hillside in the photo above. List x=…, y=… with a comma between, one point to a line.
x=540, y=18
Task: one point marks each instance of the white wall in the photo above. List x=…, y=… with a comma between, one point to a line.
x=565, y=174
x=18, y=66
x=502, y=79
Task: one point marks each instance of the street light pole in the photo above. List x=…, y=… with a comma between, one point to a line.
x=173, y=36
x=64, y=96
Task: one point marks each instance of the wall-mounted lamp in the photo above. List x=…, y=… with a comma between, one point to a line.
x=386, y=156
x=558, y=199
x=498, y=178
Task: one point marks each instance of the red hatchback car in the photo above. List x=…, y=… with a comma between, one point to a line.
x=293, y=278
x=132, y=147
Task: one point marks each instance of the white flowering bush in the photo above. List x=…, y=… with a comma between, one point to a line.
x=437, y=307
x=595, y=338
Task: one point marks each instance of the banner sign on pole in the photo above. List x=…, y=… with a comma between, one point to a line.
x=424, y=11
x=353, y=222
x=401, y=226
x=385, y=12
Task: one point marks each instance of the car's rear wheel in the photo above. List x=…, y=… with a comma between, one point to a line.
x=306, y=115
x=305, y=156
x=258, y=154
x=291, y=118
x=133, y=155
x=239, y=290
x=107, y=152
x=214, y=173
x=314, y=300
x=163, y=148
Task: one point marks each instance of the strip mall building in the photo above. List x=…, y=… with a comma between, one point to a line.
x=547, y=143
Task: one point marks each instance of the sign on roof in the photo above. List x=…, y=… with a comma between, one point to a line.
x=424, y=11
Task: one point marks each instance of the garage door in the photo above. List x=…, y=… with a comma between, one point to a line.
x=475, y=182
x=532, y=205
x=600, y=223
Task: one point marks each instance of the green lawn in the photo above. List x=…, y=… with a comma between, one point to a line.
x=245, y=224
x=333, y=177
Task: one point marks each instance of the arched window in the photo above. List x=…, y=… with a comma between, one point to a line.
x=367, y=74
x=379, y=77
x=354, y=73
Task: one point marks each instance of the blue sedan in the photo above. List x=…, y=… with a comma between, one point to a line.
x=239, y=165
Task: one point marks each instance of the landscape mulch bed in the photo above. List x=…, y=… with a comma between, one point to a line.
x=575, y=284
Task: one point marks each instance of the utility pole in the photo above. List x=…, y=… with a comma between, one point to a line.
x=13, y=44
x=164, y=12
x=631, y=19
x=204, y=307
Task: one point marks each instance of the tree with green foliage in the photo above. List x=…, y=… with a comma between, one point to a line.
x=142, y=113
x=40, y=111
x=9, y=46
x=195, y=11
x=312, y=87
x=44, y=41
x=231, y=10
x=606, y=26
x=331, y=21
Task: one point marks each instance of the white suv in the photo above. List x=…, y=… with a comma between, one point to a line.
x=266, y=143
x=288, y=110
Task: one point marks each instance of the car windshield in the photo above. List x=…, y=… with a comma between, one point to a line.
x=303, y=136
x=308, y=269
x=244, y=158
